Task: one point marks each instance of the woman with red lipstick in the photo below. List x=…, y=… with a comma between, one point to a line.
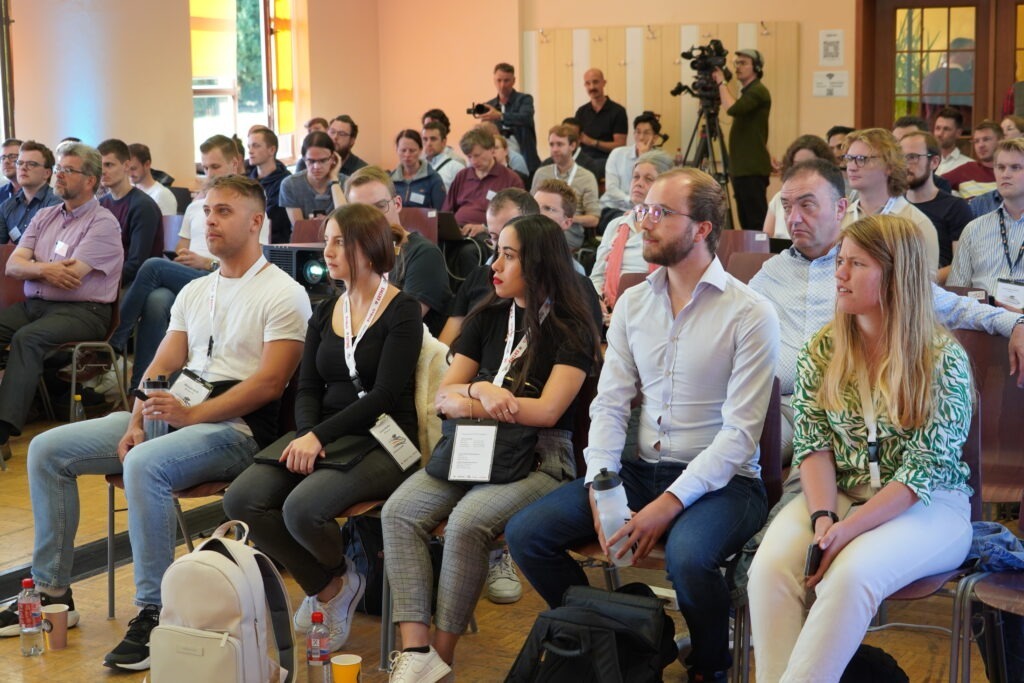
x=883, y=403
x=521, y=358
x=358, y=365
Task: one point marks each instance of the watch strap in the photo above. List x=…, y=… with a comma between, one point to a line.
x=823, y=513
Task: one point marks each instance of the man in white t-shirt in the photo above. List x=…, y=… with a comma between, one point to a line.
x=140, y=172
x=236, y=337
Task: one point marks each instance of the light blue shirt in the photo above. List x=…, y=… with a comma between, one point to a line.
x=705, y=380
x=981, y=259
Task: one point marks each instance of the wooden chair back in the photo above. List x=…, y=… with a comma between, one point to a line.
x=423, y=221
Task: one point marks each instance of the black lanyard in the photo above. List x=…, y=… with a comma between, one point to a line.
x=1006, y=244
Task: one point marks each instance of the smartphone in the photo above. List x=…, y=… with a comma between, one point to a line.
x=171, y=254
x=813, y=561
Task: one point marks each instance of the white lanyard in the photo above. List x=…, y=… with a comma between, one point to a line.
x=350, y=344
x=887, y=208
x=511, y=355
x=253, y=271
x=572, y=174
x=867, y=406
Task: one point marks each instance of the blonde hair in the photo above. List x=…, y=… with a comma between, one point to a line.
x=904, y=374
x=884, y=144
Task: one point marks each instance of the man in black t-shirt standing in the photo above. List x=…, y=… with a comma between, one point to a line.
x=604, y=121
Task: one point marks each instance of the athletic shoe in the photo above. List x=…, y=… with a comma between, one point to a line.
x=503, y=586
x=418, y=667
x=339, y=609
x=9, y=625
x=132, y=653
x=303, y=619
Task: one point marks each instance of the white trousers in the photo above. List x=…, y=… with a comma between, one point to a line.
x=923, y=540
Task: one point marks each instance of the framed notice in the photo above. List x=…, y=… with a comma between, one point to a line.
x=830, y=47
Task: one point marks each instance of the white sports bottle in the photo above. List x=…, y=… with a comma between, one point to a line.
x=613, y=511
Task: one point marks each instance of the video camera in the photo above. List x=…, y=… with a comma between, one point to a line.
x=704, y=59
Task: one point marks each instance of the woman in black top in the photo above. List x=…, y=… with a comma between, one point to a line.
x=534, y=283
x=291, y=508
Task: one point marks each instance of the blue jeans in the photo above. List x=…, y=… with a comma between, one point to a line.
x=148, y=302
x=152, y=470
x=698, y=541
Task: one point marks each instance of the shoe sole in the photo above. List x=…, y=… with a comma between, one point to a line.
x=137, y=666
x=504, y=599
x=15, y=629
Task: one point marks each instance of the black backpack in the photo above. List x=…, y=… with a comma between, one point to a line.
x=598, y=636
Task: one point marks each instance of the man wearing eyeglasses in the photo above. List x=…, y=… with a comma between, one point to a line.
x=314, y=191
x=70, y=259
x=35, y=168
x=343, y=131
x=947, y=213
x=10, y=150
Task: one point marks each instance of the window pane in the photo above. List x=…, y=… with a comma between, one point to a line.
x=961, y=24
x=908, y=73
x=908, y=29
x=936, y=28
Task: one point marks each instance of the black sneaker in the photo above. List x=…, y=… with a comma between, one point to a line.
x=132, y=653
x=10, y=627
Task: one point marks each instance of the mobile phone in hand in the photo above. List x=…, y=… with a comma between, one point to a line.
x=813, y=561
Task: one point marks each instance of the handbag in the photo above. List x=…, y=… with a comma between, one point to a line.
x=515, y=453
x=341, y=454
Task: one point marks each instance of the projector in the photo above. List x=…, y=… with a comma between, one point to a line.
x=304, y=262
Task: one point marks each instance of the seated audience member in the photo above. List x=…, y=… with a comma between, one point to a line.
x=886, y=350
x=419, y=265
x=533, y=385
x=270, y=173
x=977, y=177
x=947, y=213
x=35, y=168
x=291, y=509
x=309, y=193
x=513, y=159
x=580, y=157
x=438, y=154
x=557, y=201
x=836, y=139
x=804, y=148
x=70, y=258
x=254, y=315
x=622, y=249
x=695, y=481
x=140, y=172
x=621, y=162
x=343, y=131
x=604, y=123
x=468, y=195
x=947, y=129
x=562, y=143
x=877, y=169
x=991, y=246
x=501, y=155
x=800, y=282
x=136, y=212
x=908, y=124
x=9, y=152
x=148, y=301
x=317, y=124
x=1013, y=127
x=416, y=182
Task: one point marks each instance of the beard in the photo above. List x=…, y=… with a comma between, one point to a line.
x=669, y=254
x=914, y=182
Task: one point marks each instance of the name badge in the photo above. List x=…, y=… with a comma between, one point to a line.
x=490, y=194
x=1010, y=293
x=417, y=197
x=394, y=441
x=191, y=389
x=61, y=249
x=15, y=234
x=473, y=451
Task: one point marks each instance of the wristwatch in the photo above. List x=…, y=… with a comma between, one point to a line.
x=214, y=265
x=823, y=513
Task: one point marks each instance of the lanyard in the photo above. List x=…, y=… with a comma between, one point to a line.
x=1006, y=244
x=887, y=208
x=512, y=355
x=350, y=344
x=867, y=406
x=253, y=271
x=572, y=173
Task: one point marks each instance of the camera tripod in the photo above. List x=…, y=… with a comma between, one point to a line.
x=706, y=132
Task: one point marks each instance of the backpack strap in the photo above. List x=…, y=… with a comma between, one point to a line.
x=280, y=615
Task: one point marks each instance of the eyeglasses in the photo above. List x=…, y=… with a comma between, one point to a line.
x=8, y=157
x=28, y=164
x=655, y=212
x=64, y=170
x=860, y=160
x=383, y=204
x=318, y=162
x=913, y=158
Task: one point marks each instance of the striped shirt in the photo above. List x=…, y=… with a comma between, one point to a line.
x=981, y=257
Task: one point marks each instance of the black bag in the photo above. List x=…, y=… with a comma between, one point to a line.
x=598, y=636
x=873, y=665
x=514, y=451
x=340, y=454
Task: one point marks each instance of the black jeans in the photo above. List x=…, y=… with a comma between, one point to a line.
x=751, y=193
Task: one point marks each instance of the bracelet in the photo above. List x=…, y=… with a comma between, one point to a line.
x=823, y=513
x=1020, y=321
x=469, y=389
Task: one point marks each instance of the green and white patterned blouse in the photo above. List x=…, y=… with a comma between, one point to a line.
x=923, y=459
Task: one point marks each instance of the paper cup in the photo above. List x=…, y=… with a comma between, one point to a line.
x=347, y=668
x=55, y=626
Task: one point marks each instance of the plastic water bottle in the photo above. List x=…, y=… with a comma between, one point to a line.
x=154, y=428
x=679, y=161
x=30, y=618
x=78, y=411
x=613, y=512
x=318, y=651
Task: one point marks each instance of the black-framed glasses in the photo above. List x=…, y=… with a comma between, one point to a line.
x=913, y=157
x=318, y=162
x=859, y=160
x=382, y=204
x=655, y=212
x=27, y=164
x=9, y=157
x=64, y=170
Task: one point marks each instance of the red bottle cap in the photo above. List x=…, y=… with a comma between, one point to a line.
x=28, y=583
x=318, y=617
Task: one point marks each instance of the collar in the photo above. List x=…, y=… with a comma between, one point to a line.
x=714, y=275
x=80, y=211
x=830, y=255
x=1002, y=207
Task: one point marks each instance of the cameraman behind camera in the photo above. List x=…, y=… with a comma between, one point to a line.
x=750, y=163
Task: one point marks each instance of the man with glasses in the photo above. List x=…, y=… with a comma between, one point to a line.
x=9, y=151
x=695, y=481
x=35, y=168
x=749, y=161
x=947, y=213
x=136, y=212
x=70, y=258
x=313, y=192
x=343, y=131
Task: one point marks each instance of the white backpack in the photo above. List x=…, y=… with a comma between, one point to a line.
x=217, y=602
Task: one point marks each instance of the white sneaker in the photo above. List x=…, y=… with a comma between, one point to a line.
x=339, y=609
x=503, y=586
x=418, y=667
x=303, y=619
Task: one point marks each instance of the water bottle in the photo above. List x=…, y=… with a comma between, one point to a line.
x=679, y=161
x=30, y=618
x=613, y=512
x=78, y=410
x=154, y=427
x=318, y=651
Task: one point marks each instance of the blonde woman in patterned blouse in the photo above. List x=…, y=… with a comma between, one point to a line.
x=904, y=502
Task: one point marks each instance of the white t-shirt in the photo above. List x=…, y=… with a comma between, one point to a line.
x=249, y=312
x=193, y=228
x=163, y=197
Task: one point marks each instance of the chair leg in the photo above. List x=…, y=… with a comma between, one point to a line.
x=44, y=396
x=110, y=551
x=611, y=577
x=183, y=524
x=387, y=626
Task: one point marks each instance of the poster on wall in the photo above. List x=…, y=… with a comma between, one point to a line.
x=831, y=83
x=830, y=47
